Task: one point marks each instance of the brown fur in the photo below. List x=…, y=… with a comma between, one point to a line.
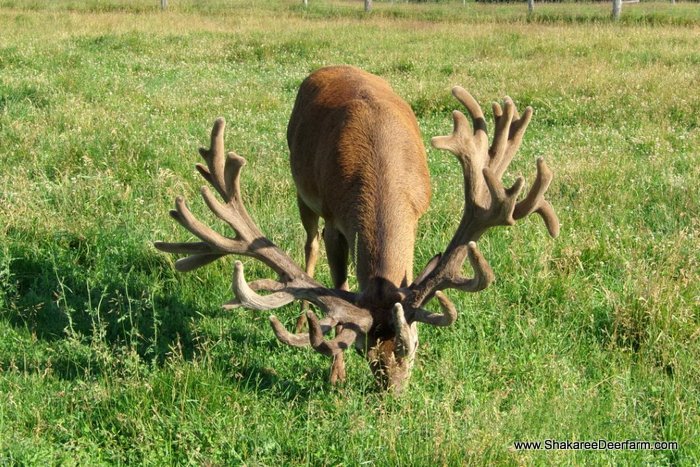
x=358, y=161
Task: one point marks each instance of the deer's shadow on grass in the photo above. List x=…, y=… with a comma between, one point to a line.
x=57, y=303
x=75, y=299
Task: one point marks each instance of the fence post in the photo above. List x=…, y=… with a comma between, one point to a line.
x=163, y=4
x=617, y=9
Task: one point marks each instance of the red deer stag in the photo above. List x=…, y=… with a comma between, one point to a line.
x=358, y=161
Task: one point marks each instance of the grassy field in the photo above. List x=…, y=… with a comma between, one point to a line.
x=107, y=355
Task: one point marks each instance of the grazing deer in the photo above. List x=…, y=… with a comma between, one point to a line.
x=358, y=161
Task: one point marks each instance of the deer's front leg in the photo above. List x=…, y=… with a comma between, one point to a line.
x=309, y=220
x=337, y=251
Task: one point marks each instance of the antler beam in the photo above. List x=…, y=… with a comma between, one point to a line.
x=222, y=171
x=487, y=202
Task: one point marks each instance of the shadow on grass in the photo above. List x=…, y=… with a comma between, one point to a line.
x=56, y=297
x=292, y=374
x=257, y=379
x=105, y=302
x=101, y=290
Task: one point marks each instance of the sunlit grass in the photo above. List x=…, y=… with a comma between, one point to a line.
x=108, y=355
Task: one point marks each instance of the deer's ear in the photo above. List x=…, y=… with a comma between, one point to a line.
x=427, y=269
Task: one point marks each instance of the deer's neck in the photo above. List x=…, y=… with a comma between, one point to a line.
x=385, y=240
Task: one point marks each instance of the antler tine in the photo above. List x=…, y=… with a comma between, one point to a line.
x=190, y=263
x=446, y=318
x=249, y=299
x=499, y=146
x=405, y=338
x=202, y=254
x=185, y=247
x=535, y=202
x=217, y=242
x=331, y=347
x=475, y=112
x=222, y=171
x=268, y=285
x=515, y=136
x=459, y=138
x=483, y=274
x=232, y=170
x=302, y=339
x=215, y=171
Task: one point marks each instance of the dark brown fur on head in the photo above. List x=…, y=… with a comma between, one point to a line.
x=380, y=295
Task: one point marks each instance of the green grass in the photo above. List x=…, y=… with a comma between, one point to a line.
x=109, y=356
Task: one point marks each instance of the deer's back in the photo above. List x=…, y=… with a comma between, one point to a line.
x=356, y=150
